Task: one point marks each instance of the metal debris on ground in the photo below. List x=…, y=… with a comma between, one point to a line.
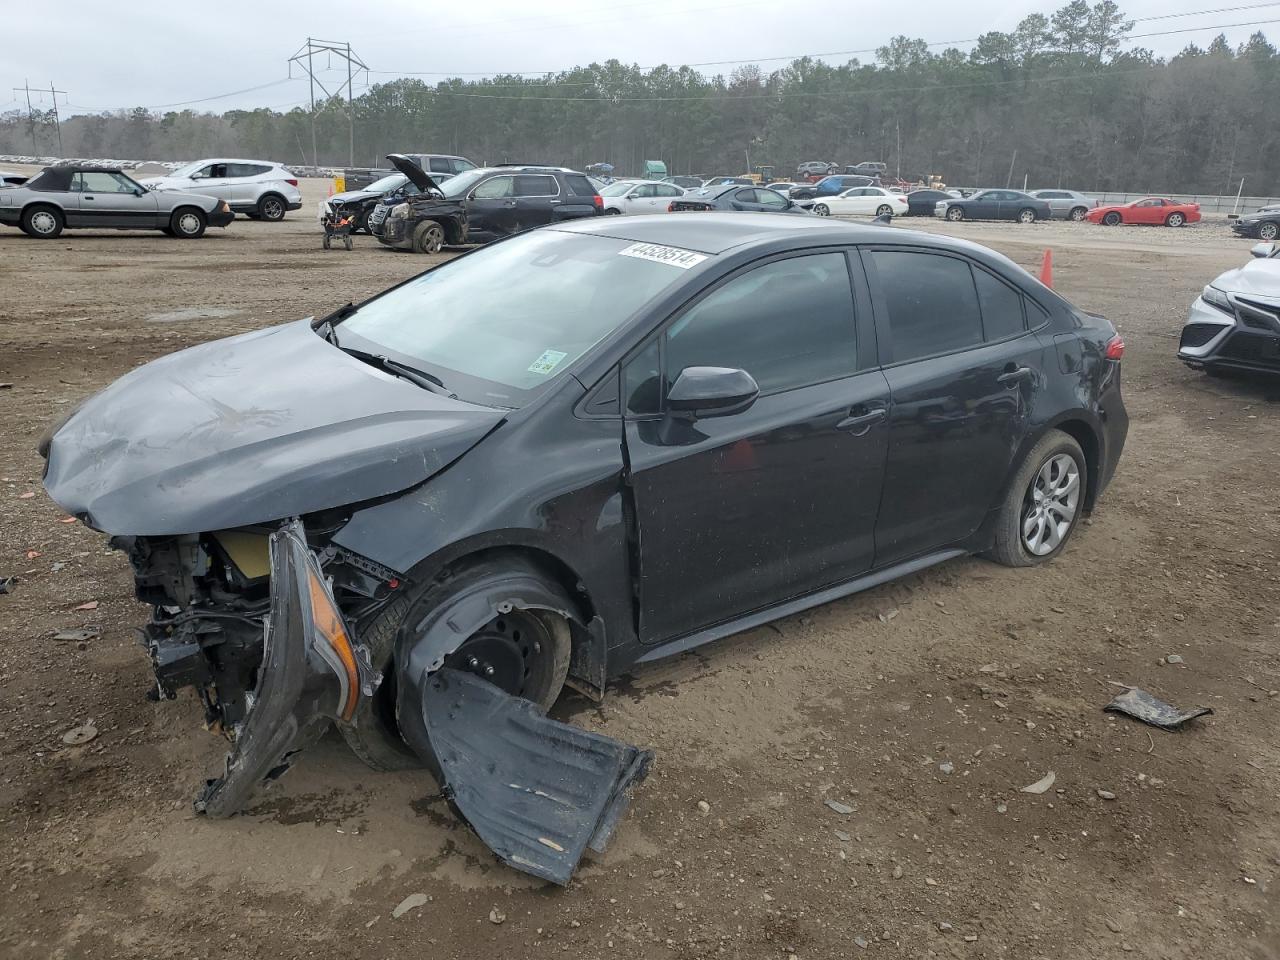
x=79, y=735
x=78, y=635
x=1041, y=785
x=1143, y=706
x=7, y=584
x=841, y=808
x=411, y=902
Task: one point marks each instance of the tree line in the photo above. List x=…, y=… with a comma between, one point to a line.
x=1059, y=101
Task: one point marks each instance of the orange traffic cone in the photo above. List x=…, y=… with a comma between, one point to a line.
x=331, y=188
x=1046, y=269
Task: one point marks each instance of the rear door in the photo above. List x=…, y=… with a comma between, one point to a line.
x=491, y=207
x=738, y=512
x=243, y=182
x=537, y=199
x=111, y=200
x=964, y=373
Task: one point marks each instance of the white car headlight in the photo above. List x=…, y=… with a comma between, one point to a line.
x=1217, y=298
x=399, y=211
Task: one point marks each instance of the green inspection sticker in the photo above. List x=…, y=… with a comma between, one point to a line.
x=547, y=362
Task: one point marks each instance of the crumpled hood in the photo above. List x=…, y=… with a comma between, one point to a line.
x=1257, y=278
x=251, y=429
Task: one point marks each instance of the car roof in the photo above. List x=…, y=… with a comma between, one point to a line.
x=270, y=163
x=715, y=233
x=84, y=168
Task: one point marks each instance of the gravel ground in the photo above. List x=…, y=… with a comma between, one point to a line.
x=924, y=705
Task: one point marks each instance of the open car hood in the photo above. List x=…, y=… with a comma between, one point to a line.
x=417, y=176
x=248, y=430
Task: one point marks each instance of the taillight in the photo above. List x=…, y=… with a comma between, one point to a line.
x=1115, y=347
x=290, y=182
x=598, y=201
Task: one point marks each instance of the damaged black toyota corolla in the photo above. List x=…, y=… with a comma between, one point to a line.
x=552, y=458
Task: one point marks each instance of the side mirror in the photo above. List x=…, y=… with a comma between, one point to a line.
x=139, y=191
x=1263, y=250
x=712, y=392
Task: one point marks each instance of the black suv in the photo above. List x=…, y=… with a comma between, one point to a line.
x=497, y=202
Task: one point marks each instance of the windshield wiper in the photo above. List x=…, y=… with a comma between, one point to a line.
x=426, y=381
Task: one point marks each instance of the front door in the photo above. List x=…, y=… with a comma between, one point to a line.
x=738, y=512
x=964, y=373
x=491, y=208
x=112, y=200
x=211, y=180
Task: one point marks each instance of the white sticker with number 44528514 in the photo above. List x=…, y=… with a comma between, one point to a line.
x=671, y=256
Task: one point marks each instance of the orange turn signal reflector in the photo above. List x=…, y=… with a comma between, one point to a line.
x=328, y=624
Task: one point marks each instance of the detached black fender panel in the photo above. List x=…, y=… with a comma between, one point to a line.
x=538, y=792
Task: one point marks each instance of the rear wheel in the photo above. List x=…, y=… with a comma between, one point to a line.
x=428, y=237
x=1079, y=213
x=42, y=222
x=955, y=214
x=822, y=210
x=524, y=652
x=1112, y=219
x=272, y=207
x=612, y=212
x=884, y=210
x=346, y=241
x=187, y=223
x=1026, y=215
x=1175, y=219
x=1043, y=504
x=1268, y=232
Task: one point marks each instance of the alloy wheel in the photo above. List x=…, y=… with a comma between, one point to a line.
x=1268, y=232
x=955, y=214
x=1176, y=219
x=1051, y=505
x=1079, y=213
x=1027, y=216
x=43, y=222
x=822, y=210
x=272, y=209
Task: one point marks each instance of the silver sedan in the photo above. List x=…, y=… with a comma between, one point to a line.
x=1066, y=204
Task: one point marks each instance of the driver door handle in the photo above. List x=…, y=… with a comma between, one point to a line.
x=860, y=424
x=1014, y=376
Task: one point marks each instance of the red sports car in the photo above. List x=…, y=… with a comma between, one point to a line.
x=1151, y=210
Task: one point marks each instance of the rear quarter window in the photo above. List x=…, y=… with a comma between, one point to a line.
x=579, y=186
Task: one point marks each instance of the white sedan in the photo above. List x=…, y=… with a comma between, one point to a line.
x=638, y=196
x=862, y=201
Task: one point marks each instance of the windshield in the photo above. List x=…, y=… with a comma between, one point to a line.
x=456, y=187
x=617, y=188
x=499, y=324
x=187, y=170
x=387, y=184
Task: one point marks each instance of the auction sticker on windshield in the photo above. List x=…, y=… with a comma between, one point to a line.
x=671, y=256
x=547, y=362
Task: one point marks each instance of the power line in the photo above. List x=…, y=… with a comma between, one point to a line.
x=304, y=58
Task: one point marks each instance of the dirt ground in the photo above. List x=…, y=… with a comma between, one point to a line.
x=924, y=705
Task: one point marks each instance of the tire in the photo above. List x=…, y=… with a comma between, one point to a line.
x=362, y=223
x=822, y=210
x=327, y=242
x=884, y=210
x=1055, y=464
x=1175, y=219
x=373, y=734
x=43, y=222
x=428, y=237
x=1078, y=214
x=1026, y=215
x=1268, y=232
x=272, y=207
x=1113, y=219
x=346, y=241
x=955, y=214
x=188, y=223
x=612, y=212
x=253, y=216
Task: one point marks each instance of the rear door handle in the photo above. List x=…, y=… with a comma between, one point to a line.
x=554, y=202
x=1011, y=377
x=859, y=424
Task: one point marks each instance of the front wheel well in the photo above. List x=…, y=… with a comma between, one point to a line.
x=1084, y=435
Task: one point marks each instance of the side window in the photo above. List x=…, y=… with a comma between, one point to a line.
x=459, y=165
x=439, y=165
x=91, y=181
x=668, y=190
x=1001, y=306
x=642, y=192
x=768, y=198
x=932, y=304
x=540, y=185
x=745, y=196
x=788, y=323
x=494, y=188
x=642, y=382
x=580, y=186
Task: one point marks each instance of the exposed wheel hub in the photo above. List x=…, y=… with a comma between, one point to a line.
x=506, y=651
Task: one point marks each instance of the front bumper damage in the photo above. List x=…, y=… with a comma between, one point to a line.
x=536, y=791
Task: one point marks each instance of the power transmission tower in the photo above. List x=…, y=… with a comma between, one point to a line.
x=31, y=119
x=304, y=58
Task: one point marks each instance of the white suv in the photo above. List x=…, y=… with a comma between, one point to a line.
x=257, y=188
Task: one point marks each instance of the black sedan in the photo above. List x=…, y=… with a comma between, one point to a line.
x=589, y=446
x=1263, y=225
x=994, y=205
x=734, y=196
x=922, y=203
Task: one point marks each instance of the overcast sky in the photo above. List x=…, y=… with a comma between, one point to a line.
x=164, y=55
